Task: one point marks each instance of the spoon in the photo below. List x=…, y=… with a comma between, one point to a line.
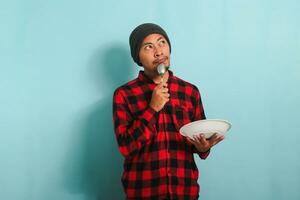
x=161, y=69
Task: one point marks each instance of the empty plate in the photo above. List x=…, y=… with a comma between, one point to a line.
x=208, y=127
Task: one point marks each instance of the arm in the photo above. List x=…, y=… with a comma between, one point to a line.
x=132, y=132
x=201, y=145
x=198, y=115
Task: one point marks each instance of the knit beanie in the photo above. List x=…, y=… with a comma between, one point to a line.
x=138, y=35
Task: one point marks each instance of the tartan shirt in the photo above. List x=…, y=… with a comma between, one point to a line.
x=159, y=161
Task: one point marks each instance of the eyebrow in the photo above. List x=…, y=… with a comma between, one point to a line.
x=161, y=37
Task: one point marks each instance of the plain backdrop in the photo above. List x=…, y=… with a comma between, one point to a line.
x=60, y=62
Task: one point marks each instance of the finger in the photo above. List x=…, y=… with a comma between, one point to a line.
x=164, y=90
x=190, y=140
x=219, y=136
x=166, y=99
x=200, y=139
x=163, y=83
x=166, y=95
x=222, y=137
x=159, y=86
x=203, y=139
x=215, y=142
x=161, y=90
x=196, y=139
x=214, y=136
x=218, y=139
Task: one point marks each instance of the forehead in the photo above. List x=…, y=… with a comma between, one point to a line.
x=152, y=38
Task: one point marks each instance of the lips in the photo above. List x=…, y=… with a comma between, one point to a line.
x=159, y=61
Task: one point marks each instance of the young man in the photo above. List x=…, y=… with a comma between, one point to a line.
x=147, y=114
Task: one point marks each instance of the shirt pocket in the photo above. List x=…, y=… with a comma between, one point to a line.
x=182, y=115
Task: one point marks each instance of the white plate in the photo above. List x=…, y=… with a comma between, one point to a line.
x=207, y=127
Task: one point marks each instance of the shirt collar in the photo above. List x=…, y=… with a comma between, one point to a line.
x=144, y=78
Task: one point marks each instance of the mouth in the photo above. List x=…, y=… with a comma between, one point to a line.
x=160, y=61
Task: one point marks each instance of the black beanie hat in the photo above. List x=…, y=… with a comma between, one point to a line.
x=138, y=35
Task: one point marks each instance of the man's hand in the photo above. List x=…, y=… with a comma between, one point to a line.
x=202, y=144
x=160, y=96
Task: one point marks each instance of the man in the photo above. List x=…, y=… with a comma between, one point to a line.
x=147, y=114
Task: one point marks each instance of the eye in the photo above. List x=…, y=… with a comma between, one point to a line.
x=162, y=42
x=148, y=47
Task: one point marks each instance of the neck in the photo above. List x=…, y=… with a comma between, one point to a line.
x=156, y=77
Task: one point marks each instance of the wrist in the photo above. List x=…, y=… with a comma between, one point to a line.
x=204, y=150
x=153, y=107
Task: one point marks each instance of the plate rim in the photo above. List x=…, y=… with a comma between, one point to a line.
x=191, y=123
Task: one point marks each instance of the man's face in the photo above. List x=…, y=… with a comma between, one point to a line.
x=154, y=50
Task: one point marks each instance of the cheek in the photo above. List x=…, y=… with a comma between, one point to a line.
x=167, y=51
x=145, y=58
x=142, y=58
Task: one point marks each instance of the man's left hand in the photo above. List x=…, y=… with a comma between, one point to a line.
x=202, y=144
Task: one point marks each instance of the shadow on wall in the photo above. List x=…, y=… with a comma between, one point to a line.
x=96, y=165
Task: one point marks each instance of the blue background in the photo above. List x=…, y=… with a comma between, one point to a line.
x=60, y=62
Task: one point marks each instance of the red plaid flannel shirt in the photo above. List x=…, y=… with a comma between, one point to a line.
x=159, y=161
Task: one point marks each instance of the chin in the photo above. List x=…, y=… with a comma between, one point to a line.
x=167, y=65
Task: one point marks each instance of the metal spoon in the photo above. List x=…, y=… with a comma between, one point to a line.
x=161, y=69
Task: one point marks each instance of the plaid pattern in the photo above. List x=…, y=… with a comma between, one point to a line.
x=159, y=162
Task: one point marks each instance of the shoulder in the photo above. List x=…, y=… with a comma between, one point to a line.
x=125, y=88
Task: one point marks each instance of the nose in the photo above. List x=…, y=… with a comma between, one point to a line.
x=158, y=52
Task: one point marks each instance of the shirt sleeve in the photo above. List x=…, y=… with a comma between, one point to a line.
x=131, y=132
x=198, y=115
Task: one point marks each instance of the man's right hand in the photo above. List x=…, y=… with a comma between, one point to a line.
x=160, y=96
